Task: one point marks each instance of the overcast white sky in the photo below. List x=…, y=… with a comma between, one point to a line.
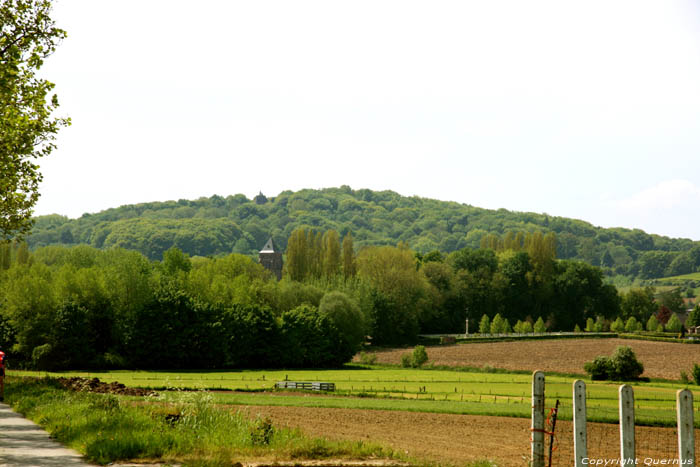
x=586, y=109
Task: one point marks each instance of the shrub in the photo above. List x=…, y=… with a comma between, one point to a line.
x=599, y=368
x=625, y=364
x=577, y=328
x=419, y=357
x=261, y=431
x=589, y=325
x=415, y=359
x=527, y=327
x=622, y=366
x=368, y=358
x=696, y=374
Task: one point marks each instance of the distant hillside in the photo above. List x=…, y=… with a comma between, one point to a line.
x=218, y=225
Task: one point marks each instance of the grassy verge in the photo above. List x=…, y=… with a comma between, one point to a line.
x=407, y=389
x=188, y=428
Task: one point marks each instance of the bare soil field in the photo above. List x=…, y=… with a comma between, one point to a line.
x=458, y=439
x=660, y=359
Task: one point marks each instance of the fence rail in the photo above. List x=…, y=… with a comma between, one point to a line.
x=314, y=386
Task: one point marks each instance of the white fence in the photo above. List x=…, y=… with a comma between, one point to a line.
x=684, y=415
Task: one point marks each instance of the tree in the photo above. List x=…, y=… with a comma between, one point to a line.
x=672, y=300
x=674, y=324
x=618, y=325
x=331, y=253
x=632, y=325
x=484, y=325
x=540, y=327
x=497, y=324
x=349, y=266
x=694, y=317
x=638, y=303
x=344, y=313
x=653, y=324
x=27, y=129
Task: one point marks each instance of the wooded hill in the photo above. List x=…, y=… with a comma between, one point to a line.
x=216, y=226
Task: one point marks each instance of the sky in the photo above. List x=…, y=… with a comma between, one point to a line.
x=587, y=110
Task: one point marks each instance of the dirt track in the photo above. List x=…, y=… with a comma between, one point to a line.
x=660, y=359
x=457, y=439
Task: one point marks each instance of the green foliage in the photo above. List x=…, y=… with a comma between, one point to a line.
x=261, y=431
x=368, y=358
x=415, y=359
x=345, y=315
x=484, y=325
x=577, y=328
x=638, y=303
x=590, y=325
x=694, y=317
x=497, y=324
x=618, y=325
x=599, y=369
x=419, y=356
x=674, y=324
x=107, y=431
x=653, y=324
x=216, y=225
x=632, y=325
x=622, y=366
x=600, y=324
x=539, y=326
x=672, y=300
x=696, y=374
x=27, y=129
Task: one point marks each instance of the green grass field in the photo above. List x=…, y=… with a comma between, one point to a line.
x=381, y=388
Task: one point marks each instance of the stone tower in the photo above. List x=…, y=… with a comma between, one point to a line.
x=271, y=258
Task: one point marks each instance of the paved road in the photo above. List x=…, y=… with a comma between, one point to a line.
x=24, y=443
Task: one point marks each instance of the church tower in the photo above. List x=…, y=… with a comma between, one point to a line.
x=271, y=258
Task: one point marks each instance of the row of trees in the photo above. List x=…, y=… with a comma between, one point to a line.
x=229, y=310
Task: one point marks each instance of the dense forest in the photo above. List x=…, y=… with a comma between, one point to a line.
x=219, y=226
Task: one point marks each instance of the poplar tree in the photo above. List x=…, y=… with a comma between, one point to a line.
x=297, y=255
x=331, y=253
x=349, y=264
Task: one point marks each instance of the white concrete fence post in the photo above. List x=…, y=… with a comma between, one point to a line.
x=684, y=414
x=580, y=431
x=627, y=455
x=686, y=432
x=537, y=428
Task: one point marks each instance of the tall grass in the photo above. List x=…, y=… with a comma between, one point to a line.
x=186, y=428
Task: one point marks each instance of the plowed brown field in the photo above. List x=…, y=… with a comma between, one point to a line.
x=459, y=439
x=660, y=359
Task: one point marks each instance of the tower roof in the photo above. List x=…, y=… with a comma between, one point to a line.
x=269, y=246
